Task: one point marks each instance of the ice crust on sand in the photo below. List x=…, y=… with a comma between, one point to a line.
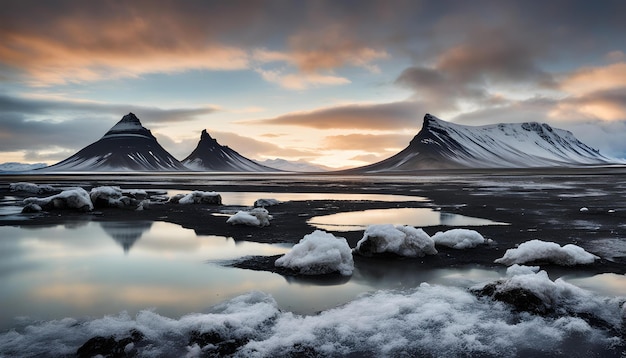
x=426, y=321
x=550, y=252
x=319, y=253
x=31, y=188
x=399, y=240
x=256, y=217
x=197, y=197
x=459, y=238
x=76, y=198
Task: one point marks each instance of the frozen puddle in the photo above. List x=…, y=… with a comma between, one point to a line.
x=419, y=217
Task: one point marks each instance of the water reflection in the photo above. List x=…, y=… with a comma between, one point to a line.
x=419, y=217
x=126, y=233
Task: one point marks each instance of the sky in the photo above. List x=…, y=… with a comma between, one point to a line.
x=335, y=83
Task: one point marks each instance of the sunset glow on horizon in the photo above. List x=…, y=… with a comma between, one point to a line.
x=334, y=83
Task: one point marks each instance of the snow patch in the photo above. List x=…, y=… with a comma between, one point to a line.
x=197, y=197
x=76, y=198
x=31, y=188
x=256, y=217
x=459, y=238
x=319, y=253
x=550, y=252
x=399, y=240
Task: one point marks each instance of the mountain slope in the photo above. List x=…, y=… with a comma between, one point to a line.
x=444, y=145
x=209, y=155
x=127, y=146
x=294, y=166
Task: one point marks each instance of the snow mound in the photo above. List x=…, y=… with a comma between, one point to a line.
x=319, y=253
x=521, y=270
x=399, y=240
x=76, y=198
x=197, y=197
x=256, y=217
x=429, y=321
x=550, y=252
x=459, y=238
x=266, y=202
x=31, y=188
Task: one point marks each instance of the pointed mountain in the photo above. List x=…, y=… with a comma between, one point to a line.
x=444, y=145
x=209, y=155
x=127, y=146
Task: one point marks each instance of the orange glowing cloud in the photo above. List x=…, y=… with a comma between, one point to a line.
x=593, y=79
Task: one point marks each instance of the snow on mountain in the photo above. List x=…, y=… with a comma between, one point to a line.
x=20, y=167
x=294, y=166
x=444, y=145
x=209, y=155
x=127, y=146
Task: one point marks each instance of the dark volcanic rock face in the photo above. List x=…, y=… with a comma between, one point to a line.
x=128, y=146
x=209, y=155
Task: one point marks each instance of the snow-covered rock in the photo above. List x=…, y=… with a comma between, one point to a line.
x=399, y=240
x=550, y=252
x=31, y=188
x=31, y=208
x=459, y=238
x=113, y=196
x=197, y=197
x=77, y=198
x=261, y=203
x=319, y=253
x=256, y=217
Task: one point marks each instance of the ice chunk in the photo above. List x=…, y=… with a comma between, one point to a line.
x=76, y=198
x=31, y=208
x=319, y=253
x=266, y=202
x=197, y=197
x=521, y=270
x=459, y=238
x=550, y=252
x=112, y=196
x=31, y=188
x=256, y=217
x=584, y=209
x=399, y=240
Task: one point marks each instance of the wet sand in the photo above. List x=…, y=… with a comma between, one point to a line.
x=541, y=205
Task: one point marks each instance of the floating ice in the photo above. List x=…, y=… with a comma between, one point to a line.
x=197, y=197
x=266, y=202
x=551, y=252
x=256, y=217
x=31, y=188
x=319, y=253
x=76, y=198
x=584, y=209
x=459, y=238
x=399, y=240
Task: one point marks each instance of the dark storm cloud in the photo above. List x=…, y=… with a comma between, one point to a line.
x=387, y=116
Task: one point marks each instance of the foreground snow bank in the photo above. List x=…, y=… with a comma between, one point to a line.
x=76, y=198
x=197, y=197
x=430, y=321
x=31, y=188
x=550, y=252
x=256, y=217
x=459, y=238
x=399, y=240
x=319, y=253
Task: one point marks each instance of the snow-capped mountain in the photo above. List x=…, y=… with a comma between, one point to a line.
x=20, y=167
x=294, y=166
x=444, y=145
x=209, y=155
x=127, y=146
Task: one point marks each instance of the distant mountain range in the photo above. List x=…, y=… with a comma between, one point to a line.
x=20, y=167
x=443, y=145
x=128, y=146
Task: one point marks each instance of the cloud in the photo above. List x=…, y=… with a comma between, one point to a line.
x=300, y=81
x=594, y=79
x=386, y=116
x=255, y=149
